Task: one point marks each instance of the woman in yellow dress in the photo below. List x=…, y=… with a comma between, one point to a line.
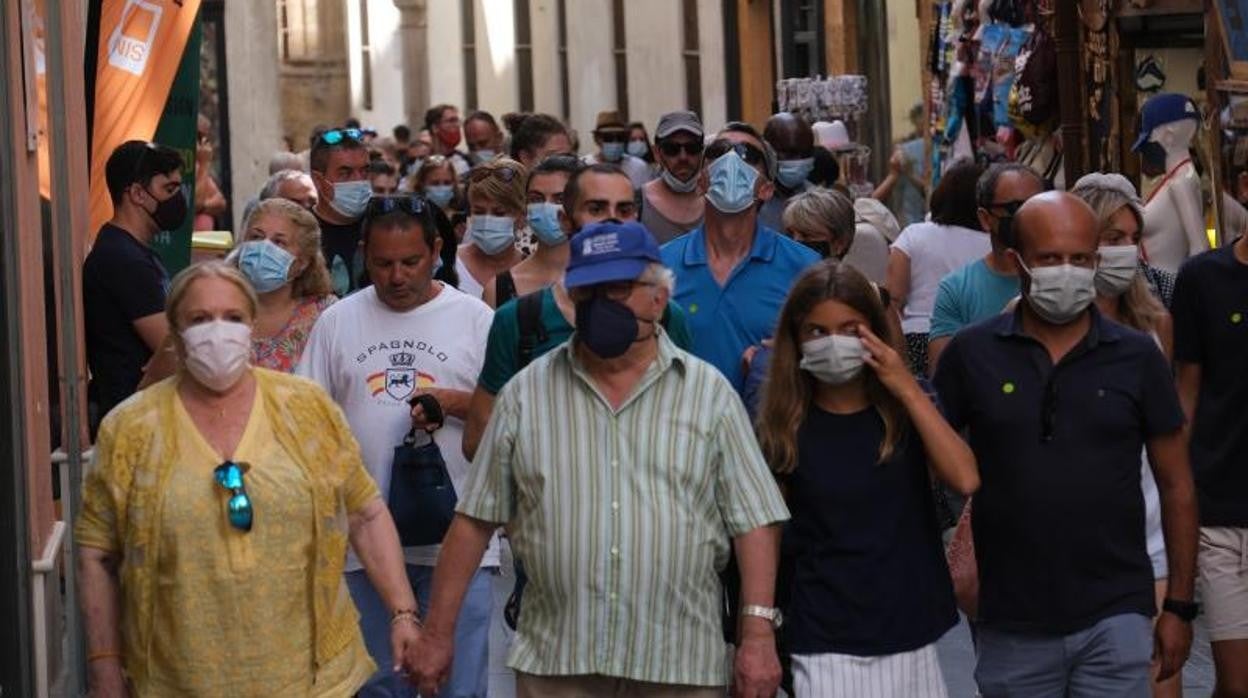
x=216, y=520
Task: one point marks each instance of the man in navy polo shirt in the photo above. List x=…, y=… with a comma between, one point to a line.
x=1059, y=403
x=1210, y=344
x=733, y=273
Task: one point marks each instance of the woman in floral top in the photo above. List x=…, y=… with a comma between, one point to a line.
x=281, y=256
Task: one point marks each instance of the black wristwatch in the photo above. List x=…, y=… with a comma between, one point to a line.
x=1185, y=610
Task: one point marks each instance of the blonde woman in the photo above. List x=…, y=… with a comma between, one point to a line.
x=1124, y=295
x=281, y=256
x=216, y=519
x=851, y=436
x=497, y=217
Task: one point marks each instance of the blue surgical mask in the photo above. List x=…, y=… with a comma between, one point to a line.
x=544, y=220
x=638, y=148
x=265, y=265
x=793, y=173
x=351, y=198
x=440, y=194
x=492, y=233
x=612, y=152
x=483, y=155
x=732, y=183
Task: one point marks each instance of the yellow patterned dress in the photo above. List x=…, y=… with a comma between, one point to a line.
x=209, y=610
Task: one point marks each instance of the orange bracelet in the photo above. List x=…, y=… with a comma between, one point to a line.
x=106, y=654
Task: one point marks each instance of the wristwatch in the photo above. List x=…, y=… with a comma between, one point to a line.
x=769, y=613
x=1185, y=610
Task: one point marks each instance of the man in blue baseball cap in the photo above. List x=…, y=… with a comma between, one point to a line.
x=617, y=461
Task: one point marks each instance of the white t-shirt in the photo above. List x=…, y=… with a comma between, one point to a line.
x=468, y=283
x=934, y=251
x=371, y=359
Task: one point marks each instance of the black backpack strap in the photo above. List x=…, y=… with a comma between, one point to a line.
x=532, y=332
x=504, y=288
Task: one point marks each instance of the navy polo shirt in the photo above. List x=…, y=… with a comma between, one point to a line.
x=1059, y=519
x=726, y=319
x=1211, y=330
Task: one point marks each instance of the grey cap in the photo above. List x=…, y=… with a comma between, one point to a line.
x=675, y=121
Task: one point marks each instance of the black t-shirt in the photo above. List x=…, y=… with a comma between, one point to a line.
x=863, y=547
x=1211, y=329
x=122, y=280
x=1059, y=517
x=341, y=246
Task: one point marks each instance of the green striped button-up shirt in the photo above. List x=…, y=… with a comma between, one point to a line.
x=622, y=517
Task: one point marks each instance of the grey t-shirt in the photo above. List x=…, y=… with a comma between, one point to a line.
x=659, y=225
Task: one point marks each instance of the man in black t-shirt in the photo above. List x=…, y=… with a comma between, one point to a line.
x=339, y=165
x=124, y=282
x=1210, y=346
x=1059, y=402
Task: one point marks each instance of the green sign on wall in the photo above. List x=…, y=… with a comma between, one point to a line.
x=178, y=129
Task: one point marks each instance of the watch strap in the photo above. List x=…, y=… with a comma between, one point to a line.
x=1185, y=610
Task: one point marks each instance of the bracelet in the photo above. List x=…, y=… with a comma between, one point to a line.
x=404, y=613
x=104, y=654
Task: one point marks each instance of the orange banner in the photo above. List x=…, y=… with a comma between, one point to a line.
x=141, y=45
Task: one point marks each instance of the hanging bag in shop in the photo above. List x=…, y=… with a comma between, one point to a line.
x=1033, y=98
x=422, y=498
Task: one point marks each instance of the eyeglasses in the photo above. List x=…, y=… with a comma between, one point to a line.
x=672, y=148
x=612, y=136
x=335, y=136
x=505, y=173
x=620, y=290
x=750, y=153
x=238, y=510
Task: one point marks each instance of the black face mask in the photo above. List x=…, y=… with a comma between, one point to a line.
x=1005, y=232
x=823, y=247
x=170, y=214
x=1153, y=154
x=606, y=327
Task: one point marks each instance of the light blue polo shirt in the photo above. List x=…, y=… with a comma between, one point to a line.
x=727, y=319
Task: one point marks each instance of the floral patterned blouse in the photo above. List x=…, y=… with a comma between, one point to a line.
x=281, y=352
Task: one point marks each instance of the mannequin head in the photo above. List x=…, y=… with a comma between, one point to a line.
x=1168, y=124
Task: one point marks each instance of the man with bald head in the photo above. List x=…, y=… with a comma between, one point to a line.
x=1059, y=403
x=794, y=142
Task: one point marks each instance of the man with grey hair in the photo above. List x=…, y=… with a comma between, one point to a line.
x=597, y=483
x=981, y=289
x=292, y=185
x=286, y=161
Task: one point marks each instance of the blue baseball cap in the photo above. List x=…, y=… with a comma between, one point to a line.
x=610, y=251
x=1164, y=108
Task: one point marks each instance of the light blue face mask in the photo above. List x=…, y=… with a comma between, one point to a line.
x=440, y=194
x=638, y=148
x=351, y=198
x=492, y=233
x=544, y=220
x=265, y=265
x=732, y=183
x=483, y=155
x=793, y=173
x=612, y=152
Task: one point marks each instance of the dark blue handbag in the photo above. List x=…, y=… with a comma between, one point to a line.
x=422, y=497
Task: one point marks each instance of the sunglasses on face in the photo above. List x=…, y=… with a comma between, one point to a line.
x=1010, y=207
x=612, y=136
x=338, y=135
x=751, y=154
x=673, y=148
x=229, y=475
x=480, y=174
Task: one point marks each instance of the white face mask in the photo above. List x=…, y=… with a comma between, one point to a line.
x=834, y=359
x=1059, y=294
x=217, y=353
x=1118, y=267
